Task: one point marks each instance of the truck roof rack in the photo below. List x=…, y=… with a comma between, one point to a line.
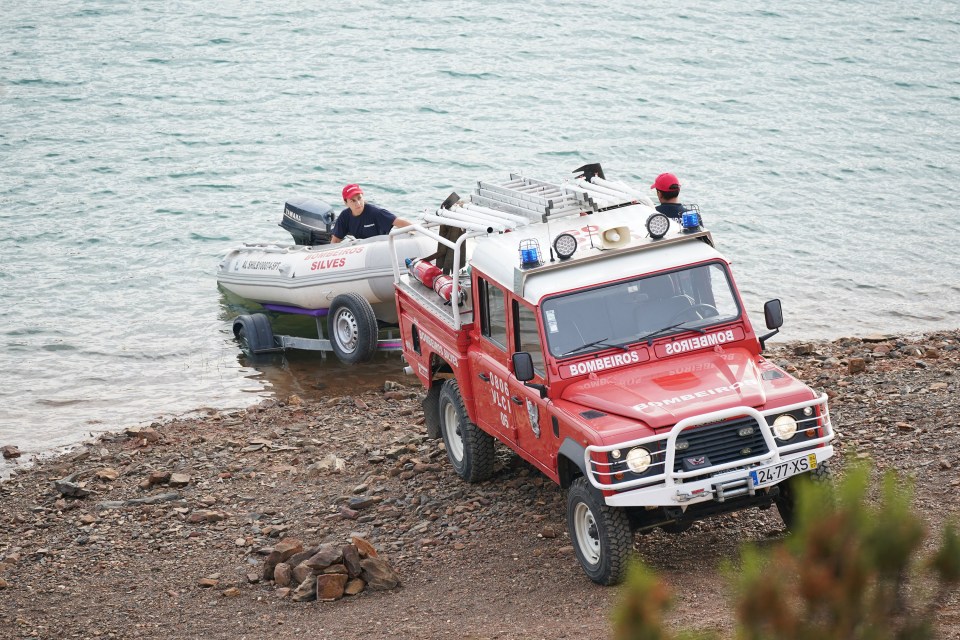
x=519, y=200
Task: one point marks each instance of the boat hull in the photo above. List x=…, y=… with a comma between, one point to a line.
x=311, y=277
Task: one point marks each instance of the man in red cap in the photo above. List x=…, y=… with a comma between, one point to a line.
x=361, y=219
x=668, y=192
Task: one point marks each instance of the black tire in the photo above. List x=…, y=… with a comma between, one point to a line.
x=677, y=527
x=601, y=535
x=352, y=328
x=254, y=334
x=431, y=411
x=787, y=500
x=469, y=448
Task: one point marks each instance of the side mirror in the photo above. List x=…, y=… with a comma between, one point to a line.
x=523, y=370
x=523, y=366
x=773, y=314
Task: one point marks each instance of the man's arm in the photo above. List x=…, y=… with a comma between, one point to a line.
x=400, y=222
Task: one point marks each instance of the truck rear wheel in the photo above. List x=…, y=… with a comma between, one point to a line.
x=787, y=500
x=602, y=538
x=352, y=327
x=469, y=448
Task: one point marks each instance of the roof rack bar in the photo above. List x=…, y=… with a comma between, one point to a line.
x=452, y=221
x=497, y=204
x=472, y=215
x=502, y=215
x=513, y=194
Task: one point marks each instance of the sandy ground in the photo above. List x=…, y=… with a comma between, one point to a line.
x=492, y=560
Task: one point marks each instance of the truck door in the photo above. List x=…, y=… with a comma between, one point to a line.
x=530, y=412
x=488, y=366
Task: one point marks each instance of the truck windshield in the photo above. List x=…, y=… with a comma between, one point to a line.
x=629, y=311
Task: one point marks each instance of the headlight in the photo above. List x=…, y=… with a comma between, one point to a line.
x=784, y=427
x=638, y=459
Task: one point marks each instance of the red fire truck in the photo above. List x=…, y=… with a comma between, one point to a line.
x=608, y=346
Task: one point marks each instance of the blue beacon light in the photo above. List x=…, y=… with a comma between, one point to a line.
x=690, y=221
x=530, y=254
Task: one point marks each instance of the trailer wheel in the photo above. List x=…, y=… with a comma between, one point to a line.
x=431, y=411
x=352, y=328
x=787, y=500
x=254, y=334
x=469, y=448
x=602, y=537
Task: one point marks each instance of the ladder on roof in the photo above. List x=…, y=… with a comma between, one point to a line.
x=518, y=201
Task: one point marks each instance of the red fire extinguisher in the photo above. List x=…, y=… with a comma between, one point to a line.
x=423, y=271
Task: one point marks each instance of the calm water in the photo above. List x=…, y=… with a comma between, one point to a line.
x=139, y=141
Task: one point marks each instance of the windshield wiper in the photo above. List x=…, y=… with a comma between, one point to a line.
x=596, y=343
x=651, y=335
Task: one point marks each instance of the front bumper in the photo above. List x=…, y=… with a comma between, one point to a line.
x=719, y=482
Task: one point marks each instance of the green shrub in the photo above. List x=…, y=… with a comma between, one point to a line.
x=850, y=570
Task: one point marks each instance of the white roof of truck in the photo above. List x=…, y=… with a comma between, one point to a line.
x=498, y=255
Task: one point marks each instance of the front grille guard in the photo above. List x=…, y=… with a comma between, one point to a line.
x=602, y=475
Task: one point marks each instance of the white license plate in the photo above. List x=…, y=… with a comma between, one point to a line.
x=782, y=471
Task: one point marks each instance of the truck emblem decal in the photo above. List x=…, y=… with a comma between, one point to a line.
x=599, y=364
x=733, y=386
x=533, y=412
x=699, y=342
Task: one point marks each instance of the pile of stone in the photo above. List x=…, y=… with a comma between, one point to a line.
x=327, y=572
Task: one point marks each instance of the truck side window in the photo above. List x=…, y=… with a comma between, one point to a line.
x=526, y=337
x=493, y=313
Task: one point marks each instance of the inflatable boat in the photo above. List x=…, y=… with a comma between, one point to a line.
x=310, y=276
x=351, y=283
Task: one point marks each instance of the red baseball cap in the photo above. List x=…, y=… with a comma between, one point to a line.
x=666, y=182
x=351, y=190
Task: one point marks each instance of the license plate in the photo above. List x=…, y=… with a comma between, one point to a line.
x=782, y=471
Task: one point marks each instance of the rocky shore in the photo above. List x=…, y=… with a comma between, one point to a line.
x=164, y=531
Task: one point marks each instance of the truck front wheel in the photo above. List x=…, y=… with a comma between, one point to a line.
x=469, y=448
x=602, y=538
x=787, y=500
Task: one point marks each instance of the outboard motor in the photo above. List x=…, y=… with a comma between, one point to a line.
x=309, y=221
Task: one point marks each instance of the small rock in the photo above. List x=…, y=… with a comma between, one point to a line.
x=232, y=592
x=71, y=489
x=326, y=556
x=10, y=451
x=282, y=574
x=856, y=365
x=306, y=591
x=179, y=480
x=945, y=464
x=362, y=502
x=330, y=586
x=158, y=477
x=4, y=584
x=364, y=548
x=354, y=586
x=206, y=583
x=378, y=574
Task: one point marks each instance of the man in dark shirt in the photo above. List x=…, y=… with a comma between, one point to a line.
x=361, y=219
x=668, y=192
